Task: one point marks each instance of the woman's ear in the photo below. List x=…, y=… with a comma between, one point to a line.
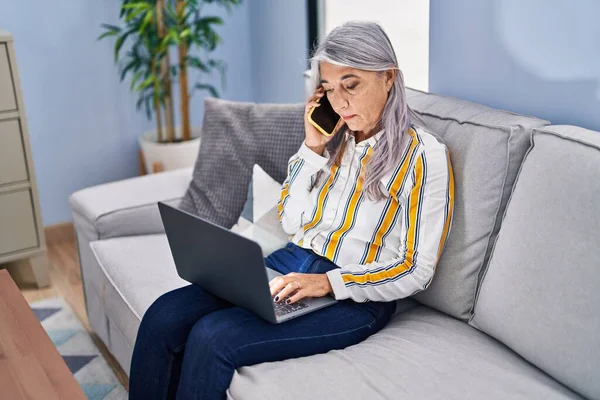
x=390, y=77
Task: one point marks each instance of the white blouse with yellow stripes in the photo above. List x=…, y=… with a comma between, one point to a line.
x=386, y=250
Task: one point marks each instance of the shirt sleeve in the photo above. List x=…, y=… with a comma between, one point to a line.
x=427, y=217
x=297, y=185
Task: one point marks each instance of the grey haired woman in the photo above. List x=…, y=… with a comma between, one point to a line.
x=368, y=210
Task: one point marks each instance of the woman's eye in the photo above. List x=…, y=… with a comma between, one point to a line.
x=350, y=87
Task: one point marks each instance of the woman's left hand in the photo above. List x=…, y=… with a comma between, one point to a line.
x=300, y=285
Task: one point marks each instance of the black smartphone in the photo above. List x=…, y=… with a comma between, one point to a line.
x=323, y=117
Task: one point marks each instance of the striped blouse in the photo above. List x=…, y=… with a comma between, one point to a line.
x=386, y=250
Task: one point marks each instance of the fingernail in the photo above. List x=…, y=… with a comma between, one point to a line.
x=288, y=301
x=276, y=298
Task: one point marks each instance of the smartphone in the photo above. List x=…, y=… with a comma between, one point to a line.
x=323, y=117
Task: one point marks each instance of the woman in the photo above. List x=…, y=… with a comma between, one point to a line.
x=369, y=209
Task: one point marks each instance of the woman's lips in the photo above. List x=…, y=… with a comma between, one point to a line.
x=348, y=117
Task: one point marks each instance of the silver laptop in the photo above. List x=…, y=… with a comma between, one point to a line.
x=229, y=266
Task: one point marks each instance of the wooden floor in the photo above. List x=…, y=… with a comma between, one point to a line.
x=65, y=280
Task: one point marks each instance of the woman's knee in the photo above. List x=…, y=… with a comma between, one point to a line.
x=220, y=333
x=209, y=335
x=167, y=308
x=158, y=314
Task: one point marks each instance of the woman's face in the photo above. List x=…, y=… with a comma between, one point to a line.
x=356, y=95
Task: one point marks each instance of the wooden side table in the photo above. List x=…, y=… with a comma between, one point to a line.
x=30, y=365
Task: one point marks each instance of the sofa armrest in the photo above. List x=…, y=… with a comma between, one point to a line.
x=127, y=207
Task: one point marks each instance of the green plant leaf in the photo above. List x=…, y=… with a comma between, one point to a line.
x=210, y=20
x=109, y=27
x=125, y=10
x=146, y=83
x=174, y=37
x=195, y=62
x=111, y=30
x=148, y=106
x=135, y=78
x=134, y=14
x=171, y=13
x=140, y=102
x=118, y=45
x=133, y=64
x=144, y=100
x=125, y=70
x=137, y=5
x=147, y=19
x=170, y=38
x=188, y=15
x=107, y=34
x=221, y=67
x=215, y=39
x=228, y=4
x=207, y=87
x=186, y=32
x=120, y=40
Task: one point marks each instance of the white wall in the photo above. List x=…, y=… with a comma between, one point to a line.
x=405, y=21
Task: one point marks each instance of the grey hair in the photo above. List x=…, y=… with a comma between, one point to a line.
x=365, y=45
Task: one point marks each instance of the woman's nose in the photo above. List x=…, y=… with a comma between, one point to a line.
x=338, y=102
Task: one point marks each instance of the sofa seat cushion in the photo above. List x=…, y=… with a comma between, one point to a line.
x=421, y=354
x=138, y=270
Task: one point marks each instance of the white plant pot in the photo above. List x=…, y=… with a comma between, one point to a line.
x=170, y=155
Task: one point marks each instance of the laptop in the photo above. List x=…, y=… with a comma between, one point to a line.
x=229, y=266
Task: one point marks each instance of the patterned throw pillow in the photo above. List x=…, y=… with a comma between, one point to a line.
x=259, y=220
x=235, y=136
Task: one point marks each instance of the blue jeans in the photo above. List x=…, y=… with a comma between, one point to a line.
x=190, y=342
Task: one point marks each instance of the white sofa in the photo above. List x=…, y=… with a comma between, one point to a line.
x=514, y=310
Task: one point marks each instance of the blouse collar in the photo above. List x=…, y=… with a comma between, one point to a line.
x=367, y=142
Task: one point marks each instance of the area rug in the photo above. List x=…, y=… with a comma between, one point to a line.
x=78, y=350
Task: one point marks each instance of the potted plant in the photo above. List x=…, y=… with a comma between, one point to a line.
x=151, y=28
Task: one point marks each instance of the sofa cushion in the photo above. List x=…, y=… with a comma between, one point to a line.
x=235, y=136
x=486, y=149
x=139, y=269
x=421, y=354
x=259, y=221
x=540, y=294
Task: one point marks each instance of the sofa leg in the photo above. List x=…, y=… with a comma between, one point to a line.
x=157, y=167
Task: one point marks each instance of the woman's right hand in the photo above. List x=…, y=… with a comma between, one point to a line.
x=314, y=139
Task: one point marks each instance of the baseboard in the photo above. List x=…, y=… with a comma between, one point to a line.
x=59, y=233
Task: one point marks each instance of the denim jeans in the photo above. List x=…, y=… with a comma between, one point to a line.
x=190, y=342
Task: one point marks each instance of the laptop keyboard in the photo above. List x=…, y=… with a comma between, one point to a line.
x=282, y=309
